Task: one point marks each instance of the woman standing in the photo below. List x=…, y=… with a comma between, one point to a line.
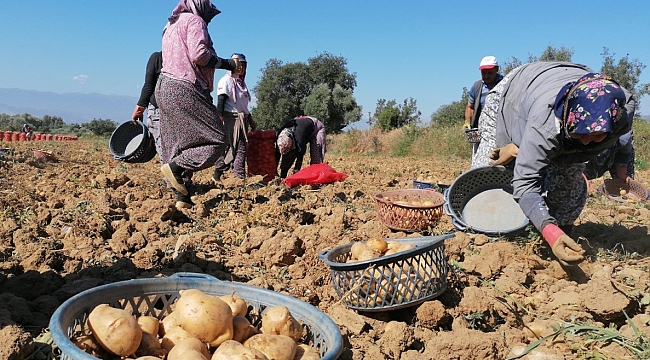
x=292, y=141
x=191, y=135
x=551, y=118
x=232, y=109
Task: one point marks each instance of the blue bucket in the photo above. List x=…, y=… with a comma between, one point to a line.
x=153, y=297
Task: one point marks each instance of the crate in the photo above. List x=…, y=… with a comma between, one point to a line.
x=487, y=191
x=132, y=143
x=390, y=282
x=153, y=297
x=635, y=191
x=395, y=209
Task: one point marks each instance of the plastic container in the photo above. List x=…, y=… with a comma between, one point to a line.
x=260, y=155
x=153, y=297
x=634, y=191
x=397, y=211
x=480, y=200
x=390, y=282
x=132, y=143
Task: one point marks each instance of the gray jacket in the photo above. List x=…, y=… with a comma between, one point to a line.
x=526, y=118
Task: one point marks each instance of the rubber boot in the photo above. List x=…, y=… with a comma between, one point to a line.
x=184, y=201
x=216, y=176
x=173, y=174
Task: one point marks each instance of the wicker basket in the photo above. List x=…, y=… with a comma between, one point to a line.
x=410, y=210
x=154, y=297
x=390, y=282
x=473, y=135
x=635, y=191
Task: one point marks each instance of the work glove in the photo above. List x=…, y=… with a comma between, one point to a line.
x=138, y=113
x=566, y=250
x=466, y=125
x=504, y=155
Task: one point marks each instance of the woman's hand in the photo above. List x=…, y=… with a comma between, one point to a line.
x=138, y=114
x=504, y=155
x=565, y=249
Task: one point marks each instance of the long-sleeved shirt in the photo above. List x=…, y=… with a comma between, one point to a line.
x=154, y=66
x=526, y=118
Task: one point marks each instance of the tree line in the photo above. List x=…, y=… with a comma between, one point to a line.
x=55, y=125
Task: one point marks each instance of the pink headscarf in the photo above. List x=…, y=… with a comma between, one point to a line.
x=238, y=81
x=203, y=8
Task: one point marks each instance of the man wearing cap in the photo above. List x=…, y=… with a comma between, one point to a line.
x=490, y=77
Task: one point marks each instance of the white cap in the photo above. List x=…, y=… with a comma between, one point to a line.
x=488, y=62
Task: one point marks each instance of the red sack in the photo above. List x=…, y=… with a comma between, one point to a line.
x=314, y=175
x=260, y=155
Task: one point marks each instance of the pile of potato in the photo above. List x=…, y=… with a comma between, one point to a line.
x=200, y=327
x=401, y=281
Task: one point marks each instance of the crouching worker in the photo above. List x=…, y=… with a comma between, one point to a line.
x=292, y=140
x=550, y=118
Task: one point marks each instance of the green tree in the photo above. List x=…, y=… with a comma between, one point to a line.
x=451, y=114
x=626, y=72
x=100, y=127
x=549, y=54
x=388, y=115
x=322, y=87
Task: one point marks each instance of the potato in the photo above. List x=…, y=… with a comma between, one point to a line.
x=206, y=317
x=149, y=345
x=188, y=345
x=88, y=344
x=237, y=304
x=277, y=320
x=173, y=336
x=538, y=329
x=306, y=352
x=232, y=350
x=167, y=323
x=623, y=192
x=149, y=358
x=274, y=347
x=368, y=254
x=116, y=330
x=378, y=244
x=357, y=248
x=149, y=324
x=242, y=329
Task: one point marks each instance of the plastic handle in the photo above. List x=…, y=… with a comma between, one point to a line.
x=458, y=225
x=188, y=275
x=323, y=254
x=447, y=210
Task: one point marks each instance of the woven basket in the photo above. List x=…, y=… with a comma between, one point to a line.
x=635, y=191
x=473, y=135
x=155, y=296
x=132, y=143
x=396, y=209
x=45, y=155
x=390, y=282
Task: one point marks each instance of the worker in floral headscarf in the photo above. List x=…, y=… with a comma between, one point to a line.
x=550, y=118
x=192, y=136
x=291, y=144
x=232, y=107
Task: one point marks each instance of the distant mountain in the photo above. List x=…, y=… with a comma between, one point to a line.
x=71, y=107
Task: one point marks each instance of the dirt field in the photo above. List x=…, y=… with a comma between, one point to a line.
x=88, y=220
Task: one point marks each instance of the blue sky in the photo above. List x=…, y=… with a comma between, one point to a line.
x=425, y=49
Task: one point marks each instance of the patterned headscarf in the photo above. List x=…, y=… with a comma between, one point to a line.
x=285, y=141
x=592, y=103
x=203, y=8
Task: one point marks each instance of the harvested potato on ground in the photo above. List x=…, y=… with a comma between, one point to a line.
x=185, y=345
x=149, y=345
x=274, y=347
x=538, y=329
x=306, y=352
x=232, y=350
x=116, y=330
x=377, y=244
x=242, y=329
x=205, y=316
x=149, y=324
x=237, y=304
x=277, y=320
x=173, y=336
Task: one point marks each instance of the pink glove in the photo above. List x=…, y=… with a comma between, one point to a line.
x=559, y=242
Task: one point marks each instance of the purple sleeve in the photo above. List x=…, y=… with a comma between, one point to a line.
x=199, y=44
